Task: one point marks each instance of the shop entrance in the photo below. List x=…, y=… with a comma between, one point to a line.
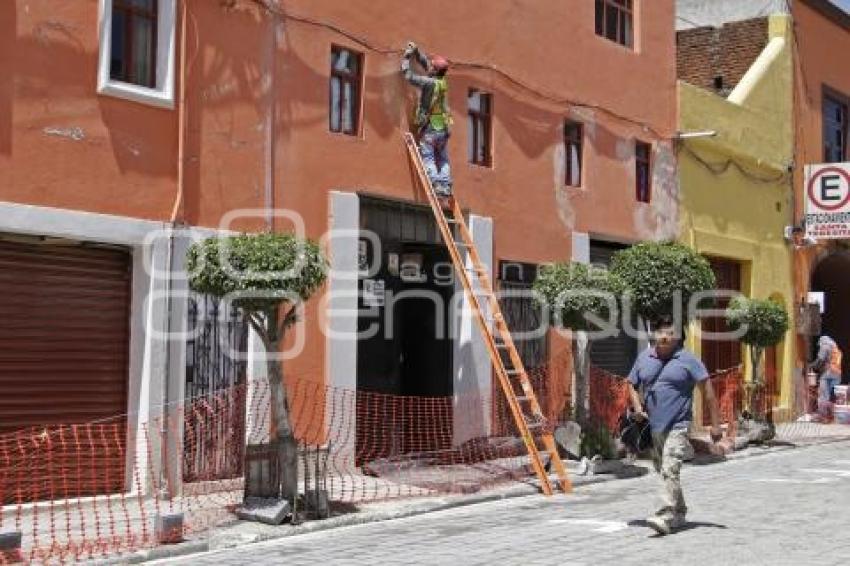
x=832, y=278
x=405, y=349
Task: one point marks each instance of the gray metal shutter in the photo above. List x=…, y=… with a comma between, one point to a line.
x=617, y=354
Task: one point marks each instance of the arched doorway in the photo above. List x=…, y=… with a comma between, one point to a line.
x=832, y=278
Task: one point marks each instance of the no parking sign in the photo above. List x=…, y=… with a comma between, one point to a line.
x=828, y=201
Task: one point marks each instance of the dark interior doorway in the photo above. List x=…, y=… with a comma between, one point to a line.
x=405, y=301
x=406, y=288
x=832, y=278
x=423, y=327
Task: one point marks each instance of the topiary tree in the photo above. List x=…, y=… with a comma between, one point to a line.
x=266, y=276
x=763, y=324
x=580, y=298
x=661, y=278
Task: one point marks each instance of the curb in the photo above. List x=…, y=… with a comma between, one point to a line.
x=425, y=507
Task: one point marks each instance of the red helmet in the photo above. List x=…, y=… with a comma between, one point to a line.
x=439, y=63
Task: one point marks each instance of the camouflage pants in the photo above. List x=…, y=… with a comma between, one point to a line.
x=669, y=451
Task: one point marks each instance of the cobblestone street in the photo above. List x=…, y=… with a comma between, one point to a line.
x=785, y=508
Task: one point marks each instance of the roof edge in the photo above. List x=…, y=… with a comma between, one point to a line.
x=830, y=11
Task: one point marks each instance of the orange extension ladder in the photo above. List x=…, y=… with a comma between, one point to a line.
x=510, y=371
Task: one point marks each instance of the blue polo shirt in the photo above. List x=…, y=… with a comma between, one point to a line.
x=669, y=387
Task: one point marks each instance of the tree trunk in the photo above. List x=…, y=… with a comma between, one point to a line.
x=757, y=384
x=581, y=373
x=284, y=437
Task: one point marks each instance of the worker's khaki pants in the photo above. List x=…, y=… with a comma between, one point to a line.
x=669, y=451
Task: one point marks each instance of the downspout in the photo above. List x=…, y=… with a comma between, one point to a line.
x=176, y=221
x=271, y=119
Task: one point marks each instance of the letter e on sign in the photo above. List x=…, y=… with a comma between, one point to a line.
x=829, y=189
x=828, y=201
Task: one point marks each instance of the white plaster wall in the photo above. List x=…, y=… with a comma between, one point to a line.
x=581, y=247
x=473, y=370
x=340, y=311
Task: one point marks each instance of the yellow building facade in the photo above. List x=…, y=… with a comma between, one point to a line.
x=735, y=157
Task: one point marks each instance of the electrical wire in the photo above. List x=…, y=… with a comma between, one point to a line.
x=722, y=167
x=275, y=9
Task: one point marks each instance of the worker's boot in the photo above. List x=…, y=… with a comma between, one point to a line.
x=450, y=202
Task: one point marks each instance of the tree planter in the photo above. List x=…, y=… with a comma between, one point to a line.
x=267, y=277
x=262, y=471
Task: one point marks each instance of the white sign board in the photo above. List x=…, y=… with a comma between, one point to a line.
x=818, y=298
x=374, y=292
x=828, y=201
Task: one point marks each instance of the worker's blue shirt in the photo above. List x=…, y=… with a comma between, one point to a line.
x=668, y=387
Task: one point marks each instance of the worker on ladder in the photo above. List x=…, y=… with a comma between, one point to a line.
x=433, y=118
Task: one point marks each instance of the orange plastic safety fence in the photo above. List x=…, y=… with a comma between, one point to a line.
x=91, y=490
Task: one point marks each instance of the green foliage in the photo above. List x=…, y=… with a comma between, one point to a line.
x=270, y=269
x=598, y=441
x=765, y=321
x=653, y=273
x=572, y=290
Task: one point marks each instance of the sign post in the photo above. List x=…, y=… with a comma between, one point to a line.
x=828, y=201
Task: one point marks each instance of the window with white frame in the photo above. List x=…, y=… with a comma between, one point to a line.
x=615, y=21
x=137, y=50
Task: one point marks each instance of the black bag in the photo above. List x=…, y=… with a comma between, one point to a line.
x=635, y=435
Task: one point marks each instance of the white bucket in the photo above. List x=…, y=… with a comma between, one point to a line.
x=842, y=414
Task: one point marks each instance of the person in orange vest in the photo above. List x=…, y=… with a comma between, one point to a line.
x=433, y=117
x=827, y=364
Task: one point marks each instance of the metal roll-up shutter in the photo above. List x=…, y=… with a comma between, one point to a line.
x=64, y=349
x=64, y=334
x=616, y=354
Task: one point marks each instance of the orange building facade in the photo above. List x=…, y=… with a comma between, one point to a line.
x=119, y=123
x=822, y=99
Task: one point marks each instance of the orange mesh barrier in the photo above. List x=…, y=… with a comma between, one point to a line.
x=609, y=397
x=94, y=490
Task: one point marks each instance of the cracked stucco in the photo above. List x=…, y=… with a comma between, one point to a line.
x=73, y=133
x=659, y=220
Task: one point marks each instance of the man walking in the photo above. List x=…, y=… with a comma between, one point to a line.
x=667, y=374
x=433, y=117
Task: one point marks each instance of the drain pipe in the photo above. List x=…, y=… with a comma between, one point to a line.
x=271, y=119
x=176, y=221
x=271, y=115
